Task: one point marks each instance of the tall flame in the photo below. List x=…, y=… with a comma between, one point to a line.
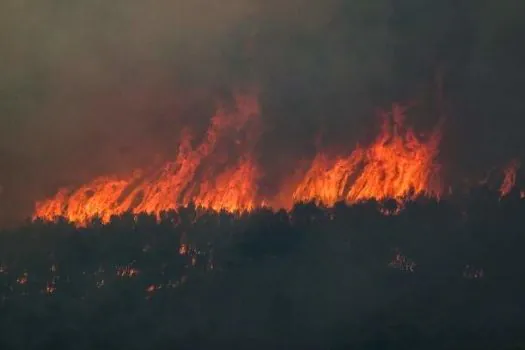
x=191, y=178
x=397, y=165
x=221, y=173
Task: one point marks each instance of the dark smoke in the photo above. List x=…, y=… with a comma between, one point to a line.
x=90, y=87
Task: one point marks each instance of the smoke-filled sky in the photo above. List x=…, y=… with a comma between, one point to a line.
x=91, y=87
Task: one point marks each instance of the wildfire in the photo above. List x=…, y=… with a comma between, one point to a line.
x=193, y=177
x=509, y=178
x=221, y=173
x=397, y=165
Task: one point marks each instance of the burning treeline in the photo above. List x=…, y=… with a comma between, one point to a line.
x=220, y=172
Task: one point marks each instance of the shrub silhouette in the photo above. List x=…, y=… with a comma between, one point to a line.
x=438, y=274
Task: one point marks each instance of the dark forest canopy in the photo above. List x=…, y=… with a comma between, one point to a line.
x=438, y=275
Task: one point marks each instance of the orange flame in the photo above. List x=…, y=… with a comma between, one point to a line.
x=189, y=178
x=397, y=165
x=509, y=179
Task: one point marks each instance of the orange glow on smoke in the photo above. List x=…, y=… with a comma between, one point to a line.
x=191, y=177
x=221, y=173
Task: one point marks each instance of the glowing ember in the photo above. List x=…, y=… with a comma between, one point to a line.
x=22, y=279
x=50, y=288
x=183, y=249
x=153, y=287
x=127, y=271
x=401, y=262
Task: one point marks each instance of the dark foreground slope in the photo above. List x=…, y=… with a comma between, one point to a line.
x=437, y=276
